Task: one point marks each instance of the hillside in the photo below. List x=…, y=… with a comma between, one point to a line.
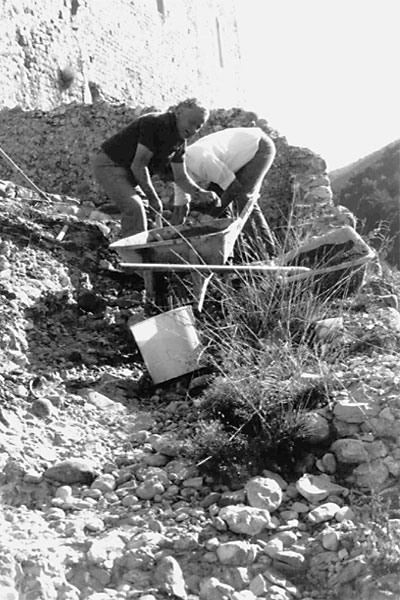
x=340, y=177
x=370, y=188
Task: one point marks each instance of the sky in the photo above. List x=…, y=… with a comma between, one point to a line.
x=324, y=73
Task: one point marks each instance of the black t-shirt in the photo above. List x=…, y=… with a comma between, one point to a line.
x=156, y=131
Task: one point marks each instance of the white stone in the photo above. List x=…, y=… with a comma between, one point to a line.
x=104, y=483
x=272, y=547
x=236, y=553
x=64, y=492
x=94, y=524
x=213, y=589
x=324, y=512
x=246, y=519
x=264, y=492
x=316, y=488
x=330, y=540
x=345, y=513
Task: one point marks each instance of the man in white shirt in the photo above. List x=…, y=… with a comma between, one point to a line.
x=232, y=162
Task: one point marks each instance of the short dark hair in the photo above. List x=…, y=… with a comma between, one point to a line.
x=191, y=103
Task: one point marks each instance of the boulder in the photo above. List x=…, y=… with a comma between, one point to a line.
x=264, y=493
x=75, y=470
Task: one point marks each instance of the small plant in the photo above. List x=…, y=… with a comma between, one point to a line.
x=218, y=453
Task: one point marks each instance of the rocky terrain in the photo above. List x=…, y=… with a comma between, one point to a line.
x=97, y=502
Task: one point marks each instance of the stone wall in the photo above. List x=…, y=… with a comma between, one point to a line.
x=136, y=51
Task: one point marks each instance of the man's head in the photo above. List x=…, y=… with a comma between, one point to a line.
x=190, y=117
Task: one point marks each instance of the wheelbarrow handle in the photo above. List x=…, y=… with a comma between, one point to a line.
x=248, y=207
x=259, y=268
x=246, y=212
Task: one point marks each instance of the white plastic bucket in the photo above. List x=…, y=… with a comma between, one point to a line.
x=169, y=344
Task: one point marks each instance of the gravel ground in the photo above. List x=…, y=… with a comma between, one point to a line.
x=96, y=502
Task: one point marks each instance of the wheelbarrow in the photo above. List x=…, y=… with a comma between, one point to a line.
x=200, y=250
x=209, y=243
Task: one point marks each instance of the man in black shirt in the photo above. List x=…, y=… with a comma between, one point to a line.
x=152, y=144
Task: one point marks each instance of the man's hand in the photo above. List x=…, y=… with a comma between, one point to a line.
x=208, y=198
x=179, y=215
x=156, y=210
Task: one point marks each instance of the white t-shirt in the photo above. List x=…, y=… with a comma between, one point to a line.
x=215, y=158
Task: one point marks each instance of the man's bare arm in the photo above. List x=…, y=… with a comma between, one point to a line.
x=189, y=186
x=139, y=168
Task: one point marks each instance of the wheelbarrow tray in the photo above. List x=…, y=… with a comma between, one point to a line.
x=209, y=243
